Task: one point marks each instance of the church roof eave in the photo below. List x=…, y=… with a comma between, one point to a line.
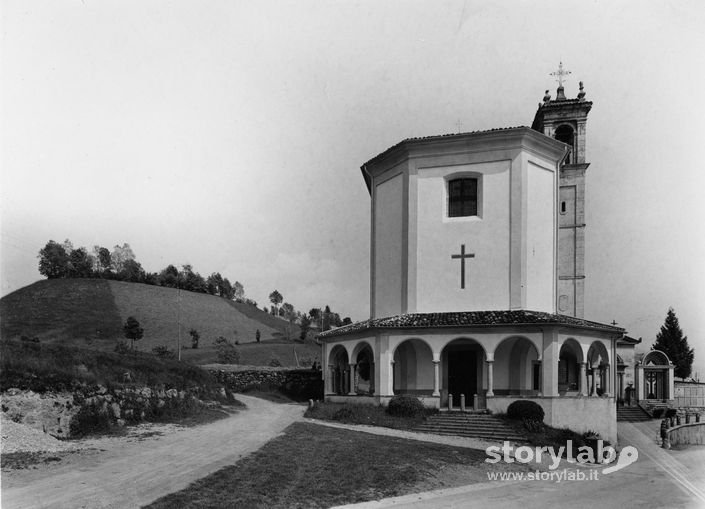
x=451, y=320
x=404, y=148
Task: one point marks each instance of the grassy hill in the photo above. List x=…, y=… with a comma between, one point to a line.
x=91, y=312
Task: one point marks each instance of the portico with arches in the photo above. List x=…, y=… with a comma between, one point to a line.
x=476, y=278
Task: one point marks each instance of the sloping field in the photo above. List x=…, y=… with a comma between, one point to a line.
x=91, y=312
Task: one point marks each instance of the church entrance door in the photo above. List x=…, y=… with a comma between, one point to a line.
x=462, y=376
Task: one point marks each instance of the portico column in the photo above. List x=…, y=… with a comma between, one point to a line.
x=490, y=377
x=436, y=376
x=330, y=380
x=583, y=379
x=351, y=389
x=372, y=378
x=391, y=375
x=608, y=382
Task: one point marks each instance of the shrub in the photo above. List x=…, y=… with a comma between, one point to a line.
x=274, y=362
x=533, y=425
x=121, y=347
x=405, y=406
x=163, y=351
x=525, y=410
x=658, y=412
x=29, y=340
x=227, y=353
x=195, y=336
x=671, y=412
x=344, y=414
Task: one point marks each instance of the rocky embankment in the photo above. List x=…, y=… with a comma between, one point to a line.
x=33, y=422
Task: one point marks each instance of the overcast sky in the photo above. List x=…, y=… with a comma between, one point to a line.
x=229, y=134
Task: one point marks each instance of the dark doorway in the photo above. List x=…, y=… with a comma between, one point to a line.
x=462, y=375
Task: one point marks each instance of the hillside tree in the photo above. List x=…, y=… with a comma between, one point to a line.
x=276, y=298
x=674, y=343
x=133, y=331
x=80, y=263
x=238, y=291
x=53, y=260
x=120, y=255
x=305, y=326
x=289, y=313
x=102, y=258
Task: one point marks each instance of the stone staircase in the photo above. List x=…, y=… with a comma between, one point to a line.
x=472, y=425
x=631, y=414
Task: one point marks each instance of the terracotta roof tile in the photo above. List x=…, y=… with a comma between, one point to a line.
x=467, y=319
x=441, y=136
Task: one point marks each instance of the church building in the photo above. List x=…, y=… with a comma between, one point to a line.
x=477, y=277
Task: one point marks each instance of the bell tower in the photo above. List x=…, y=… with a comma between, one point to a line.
x=565, y=120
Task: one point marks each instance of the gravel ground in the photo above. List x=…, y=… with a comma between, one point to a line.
x=21, y=438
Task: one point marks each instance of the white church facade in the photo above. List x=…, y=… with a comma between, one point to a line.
x=477, y=277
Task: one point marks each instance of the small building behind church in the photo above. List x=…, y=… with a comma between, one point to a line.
x=477, y=277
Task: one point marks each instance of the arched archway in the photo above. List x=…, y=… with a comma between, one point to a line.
x=463, y=361
x=566, y=134
x=599, y=370
x=569, y=373
x=338, y=367
x=517, y=369
x=413, y=368
x=364, y=361
x=656, y=385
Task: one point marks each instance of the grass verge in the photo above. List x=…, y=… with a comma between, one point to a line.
x=315, y=466
x=373, y=415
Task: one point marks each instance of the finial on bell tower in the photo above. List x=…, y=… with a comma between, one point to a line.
x=546, y=97
x=581, y=94
x=560, y=75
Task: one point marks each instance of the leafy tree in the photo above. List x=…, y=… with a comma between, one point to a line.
x=133, y=331
x=131, y=271
x=214, y=283
x=258, y=335
x=305, y=326
x=120, y=255
x=53, y=260
x=289, y=313
x=195, y=336
x=102, y=259
x=673, y=343
x=226, y=290
x=238, y=291
x=347, y=320
x=192, y=281
x=169, y=277
x=80, y=263
x=276, y=298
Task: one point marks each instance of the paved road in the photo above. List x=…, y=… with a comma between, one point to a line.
x=659, y=478
x=131, y=474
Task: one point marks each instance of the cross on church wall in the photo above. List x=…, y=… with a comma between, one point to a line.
x=462, y=256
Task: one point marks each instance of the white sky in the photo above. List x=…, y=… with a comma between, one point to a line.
x=229, y=135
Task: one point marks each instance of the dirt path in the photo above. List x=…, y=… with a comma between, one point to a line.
x=133, y=473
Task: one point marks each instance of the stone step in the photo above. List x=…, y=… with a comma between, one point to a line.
x=473, y=425
x=632, y=414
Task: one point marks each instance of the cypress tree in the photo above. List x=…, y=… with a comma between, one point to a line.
x=674, y=343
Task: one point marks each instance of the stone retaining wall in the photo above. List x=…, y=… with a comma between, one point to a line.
x=298, y=384
x=66, y=414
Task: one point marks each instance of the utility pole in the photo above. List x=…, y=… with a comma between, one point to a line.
x=178, y=318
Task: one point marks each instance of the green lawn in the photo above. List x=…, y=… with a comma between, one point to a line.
x=312, y=466
x=91, y=312
x=373, y=415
